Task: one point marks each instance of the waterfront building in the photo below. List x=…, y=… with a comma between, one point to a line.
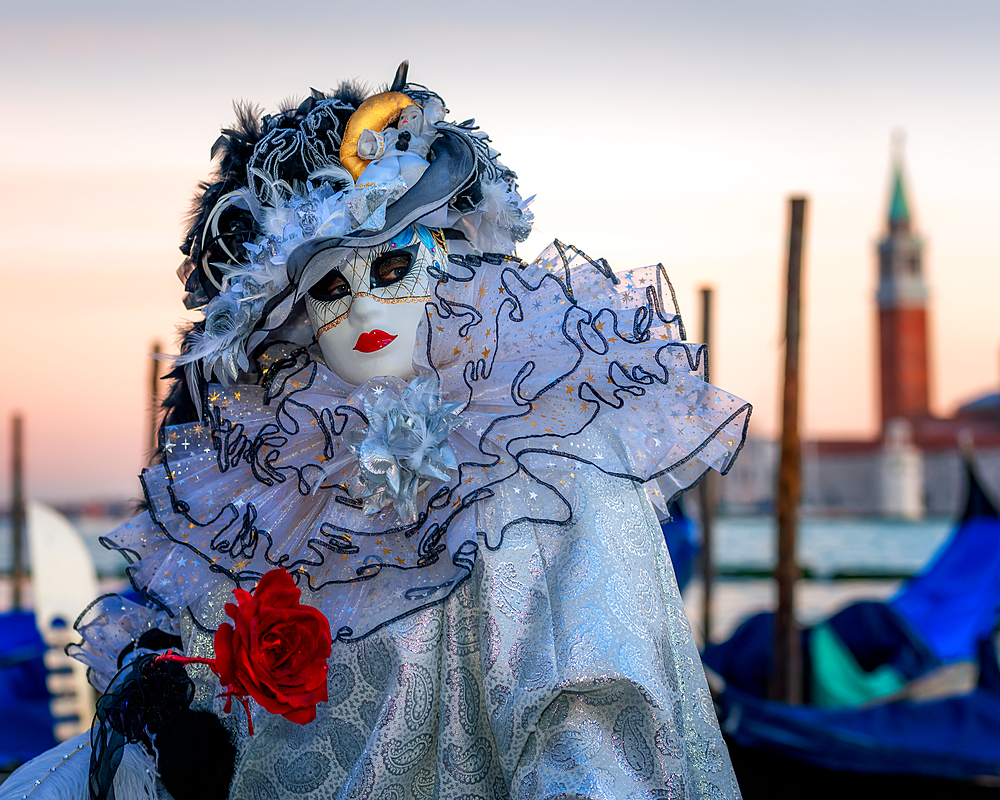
x=913, y=467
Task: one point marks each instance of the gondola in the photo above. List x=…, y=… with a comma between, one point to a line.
x=902, y=698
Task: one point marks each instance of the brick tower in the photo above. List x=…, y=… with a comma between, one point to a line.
x=902, y=311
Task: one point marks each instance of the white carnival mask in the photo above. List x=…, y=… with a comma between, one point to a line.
x=366, y=308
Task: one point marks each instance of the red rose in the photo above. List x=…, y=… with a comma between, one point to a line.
x=276, y=649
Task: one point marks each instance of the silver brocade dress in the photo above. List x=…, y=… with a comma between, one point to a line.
x=563, y=667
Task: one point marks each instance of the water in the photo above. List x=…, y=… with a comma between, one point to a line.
x=826, y=547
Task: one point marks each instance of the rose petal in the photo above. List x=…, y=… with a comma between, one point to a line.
x=224, y=654
x=277, y=589
x=301, y=715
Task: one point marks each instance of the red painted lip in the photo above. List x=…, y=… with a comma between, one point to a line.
x=373, y=340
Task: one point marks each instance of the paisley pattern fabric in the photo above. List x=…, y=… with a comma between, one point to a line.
x=564, y=667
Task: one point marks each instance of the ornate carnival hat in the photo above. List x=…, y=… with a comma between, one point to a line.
x=295, y=183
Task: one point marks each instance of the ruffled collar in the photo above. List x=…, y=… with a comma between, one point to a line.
x=556, y=367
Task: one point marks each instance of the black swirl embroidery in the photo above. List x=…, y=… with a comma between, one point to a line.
x=240, y=541
x=570, y=749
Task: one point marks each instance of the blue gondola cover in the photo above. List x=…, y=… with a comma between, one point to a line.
x=25, y=716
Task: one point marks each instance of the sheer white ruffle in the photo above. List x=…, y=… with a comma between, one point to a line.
x=557, y=364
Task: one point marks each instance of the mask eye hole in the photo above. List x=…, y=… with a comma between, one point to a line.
x=391, y=268
x=332, y=286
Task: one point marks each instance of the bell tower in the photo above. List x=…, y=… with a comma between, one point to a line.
x=902, y=309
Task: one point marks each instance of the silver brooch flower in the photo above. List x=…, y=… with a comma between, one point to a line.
x=403, y=448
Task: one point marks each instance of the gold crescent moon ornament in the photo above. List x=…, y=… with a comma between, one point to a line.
x=374, y=114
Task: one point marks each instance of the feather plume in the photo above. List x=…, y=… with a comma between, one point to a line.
x=136, y=775
x=353, y=93
x=399, y=82
x=61, y=773
x=336, y=176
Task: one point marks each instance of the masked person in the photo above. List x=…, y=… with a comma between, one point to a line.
x=433, y=464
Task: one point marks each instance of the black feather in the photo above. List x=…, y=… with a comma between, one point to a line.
x=399, y=82
x=233, y=150
x=354, y=93
x=195, y=757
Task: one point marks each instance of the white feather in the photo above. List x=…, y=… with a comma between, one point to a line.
x=334, y=174
x=277, y=190
x=136, y=775
x=194, y=384
x=61, y=773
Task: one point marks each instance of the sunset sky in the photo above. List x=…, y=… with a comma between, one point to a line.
x=650, y=132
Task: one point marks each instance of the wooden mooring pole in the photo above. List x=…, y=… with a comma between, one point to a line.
x=17, y=510
x=154, y=405
x=786, y=676
x=706, y=490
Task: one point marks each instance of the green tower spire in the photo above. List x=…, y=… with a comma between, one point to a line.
x=899, y=210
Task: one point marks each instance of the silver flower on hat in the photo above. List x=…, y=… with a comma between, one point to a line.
x=403, y=448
